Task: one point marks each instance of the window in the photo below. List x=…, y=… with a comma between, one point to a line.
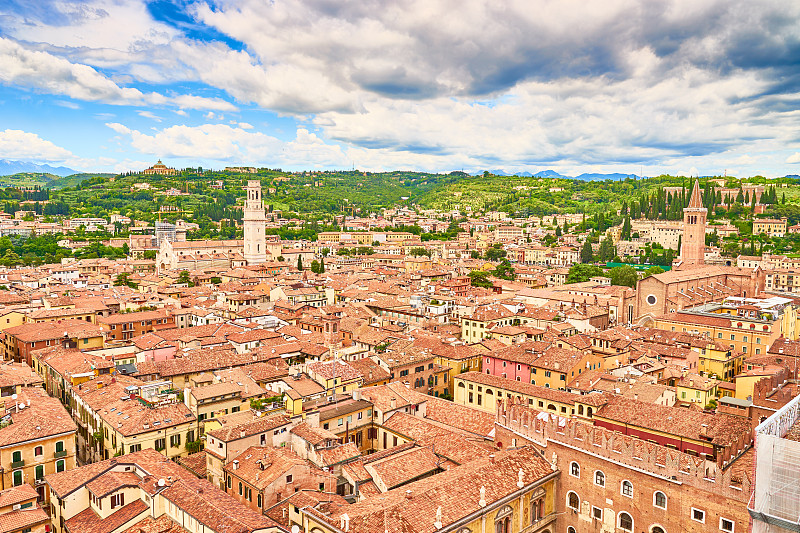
x=625, y=522
x=502, y=521
x=117, y=500
x=597, y=513
x=60, y=446
x=599, y=478
x=726, y=525
x=698, y=515
x=60, y=465
x=240, y=488
x=17, y=478
x=660, y=500
x=657, y=529
x=537, y=509
x=574, y=469
x=289, y=478
x=626, y=489
x=573, y=502
x=160, y=444
x=571, y=529
x=138, y=447
x=229, y=481
x=259, y=500
x=39, y=472
x=175, y=440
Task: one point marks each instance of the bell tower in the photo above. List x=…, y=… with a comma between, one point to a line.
x=254, y=219
x=693, y=245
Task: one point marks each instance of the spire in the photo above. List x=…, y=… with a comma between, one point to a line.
x=695, y=200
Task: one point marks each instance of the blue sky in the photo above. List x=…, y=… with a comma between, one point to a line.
x=675, y=86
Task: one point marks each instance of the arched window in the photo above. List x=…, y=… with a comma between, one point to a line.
x=599, y=478
x=580, y=410
x=551, y=407
x=537, y=509
x=489, y=391
x=627, y=489
x=657, y=529
x=625, y=522
x=502, y=521
x=461, y=384
x=575, y=469
x=571, y=529
x=589, y=412
x=573, y=502
x=660, y=500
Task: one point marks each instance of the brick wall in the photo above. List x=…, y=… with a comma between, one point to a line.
x=688, y=482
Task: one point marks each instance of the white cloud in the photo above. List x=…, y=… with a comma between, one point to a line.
x=51, y=74
x=794, y=158
x=224, y=143
x=245, y=125
x=22, y=145
x=148, y=114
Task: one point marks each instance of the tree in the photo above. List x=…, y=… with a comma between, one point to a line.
x=419, y=251
x=586, y=252
x=626, y=228
x=580, y=273
x=183, y=277
x=606, y=252
x=495, y=252
x=480, y=278
x=624, y=275
x=322, y=266
x=505, y=271
x=123, y=279
x=558, y=231
x=652, y=271
x=300, y=263
x=315, y=266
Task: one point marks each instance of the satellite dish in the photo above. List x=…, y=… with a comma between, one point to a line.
x=13, y=396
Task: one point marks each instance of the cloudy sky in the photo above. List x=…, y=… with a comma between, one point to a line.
x=682, y=86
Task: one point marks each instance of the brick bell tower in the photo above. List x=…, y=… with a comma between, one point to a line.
x=693, y=245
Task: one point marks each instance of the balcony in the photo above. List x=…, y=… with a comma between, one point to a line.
x=59, y=455
x=18, y=464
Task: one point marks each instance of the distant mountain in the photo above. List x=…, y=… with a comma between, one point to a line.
x=549, y=174
x=8, y=168
x=600, y=177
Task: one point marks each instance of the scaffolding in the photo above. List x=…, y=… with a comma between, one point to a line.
x=775, y=499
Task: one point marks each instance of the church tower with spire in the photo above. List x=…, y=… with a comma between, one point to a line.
x=693, y=244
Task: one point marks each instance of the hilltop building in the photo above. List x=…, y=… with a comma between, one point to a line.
x=160, y=169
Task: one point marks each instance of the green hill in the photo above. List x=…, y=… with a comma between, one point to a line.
x=74, y=179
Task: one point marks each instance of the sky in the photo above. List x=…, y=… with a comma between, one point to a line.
x=641, y=87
